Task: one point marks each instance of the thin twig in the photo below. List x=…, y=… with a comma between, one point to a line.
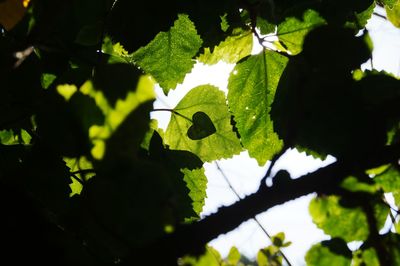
x=254, y=218
x=379, y=15
x=84, y=171
x=77, y=179
x=172, y=111
x=271, y=165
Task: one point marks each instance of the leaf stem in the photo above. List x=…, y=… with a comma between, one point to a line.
x=172, y=111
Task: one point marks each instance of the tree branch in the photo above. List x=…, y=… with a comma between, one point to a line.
x=191, y=238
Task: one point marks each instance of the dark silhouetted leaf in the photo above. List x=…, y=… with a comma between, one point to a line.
x=202, y=126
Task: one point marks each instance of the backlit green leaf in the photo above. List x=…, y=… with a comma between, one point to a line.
x=196, y=181
x=169, y=56
x=77, y=168
x=208, y=99
x=210, y=258
x=231, y=50
x=292, y=31
x=115, y=115
x=269, y=256
x=349, y=224
x=389, y=3
x=361, y=18
x=389, y=180
x=251, y=91
x=233, y=256
x=393, y=14
x=365, y=257
x=329, y=252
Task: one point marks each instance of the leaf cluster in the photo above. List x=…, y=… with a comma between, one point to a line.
x=89, y=179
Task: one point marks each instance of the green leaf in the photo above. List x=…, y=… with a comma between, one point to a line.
x=189, y=179
x=292, y=31
x=233, y=256
x=269, y=256
x=76, y=165
x=349, y=224
x=47, y=79
x=329, y=252
x=208, y=99
x=115, y=51
x=278, y=239
x=231, y=50
x=361, y=18
x=389, y=181
x=9, y=137
x=367, y=254
x=389, y=3
x=265, y=27
x=393, y=14
x=196, y=181
x=168, y=57
x=115, y=115
x=251, y=91
x=210, y=258
x=351, y=183
x=202, y=126
x=367, y=257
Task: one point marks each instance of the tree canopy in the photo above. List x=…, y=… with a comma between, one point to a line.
x=88, y=178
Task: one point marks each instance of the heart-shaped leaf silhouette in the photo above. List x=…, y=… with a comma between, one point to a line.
x=202, y=126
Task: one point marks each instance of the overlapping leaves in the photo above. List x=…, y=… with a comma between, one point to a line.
x=210, y=100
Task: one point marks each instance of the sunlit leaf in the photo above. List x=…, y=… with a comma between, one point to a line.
x=168, y=58
x=349, y=224
x=393, y=13
x=269, y=256
x=251, y=91
x=210, y=258
x=77, y=168
x=208, y=99
x=365, y=257
x=292, y=31
x=351, y=183
x=66, y=91
x=114, y=115
x=389, y=3
x=233, y=256
x=196, y=181
x=329, y=252
x=9, y=137
x=231, y=50
x=361, y=18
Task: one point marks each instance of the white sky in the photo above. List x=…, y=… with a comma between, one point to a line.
x=244, y=173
